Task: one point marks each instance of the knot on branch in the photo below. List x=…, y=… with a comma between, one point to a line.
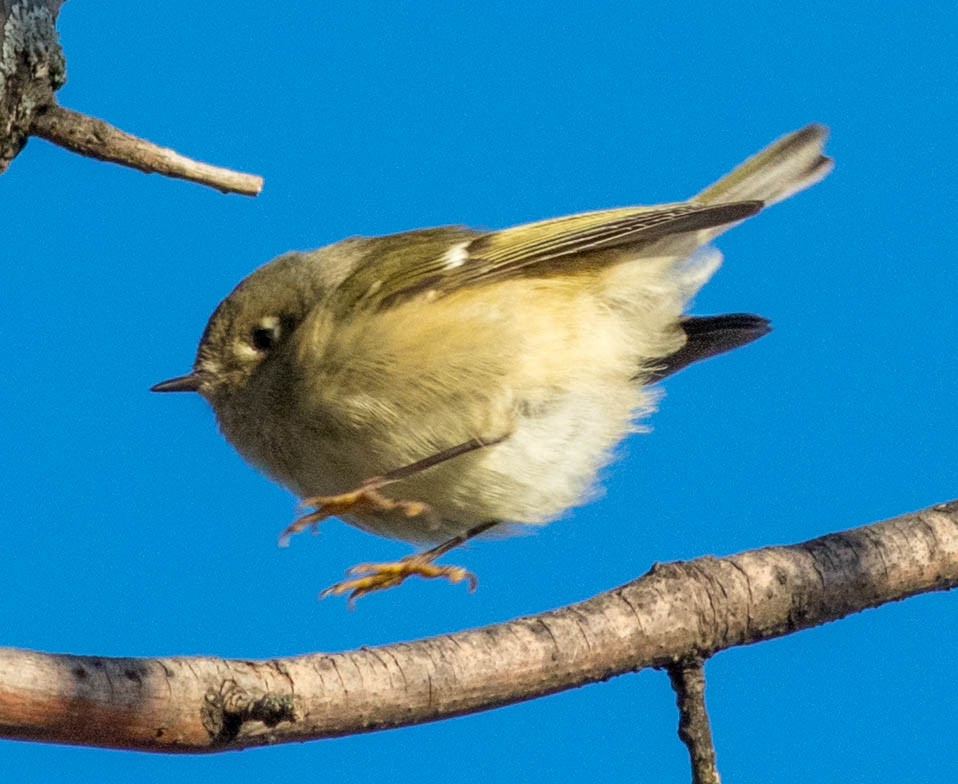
x=226, y=709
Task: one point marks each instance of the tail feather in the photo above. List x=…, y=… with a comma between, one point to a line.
x=786, y=166
x=707, y=336
x=792, y=163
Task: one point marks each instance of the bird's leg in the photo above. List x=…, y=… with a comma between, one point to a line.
x=367, y=498
x=369, y=577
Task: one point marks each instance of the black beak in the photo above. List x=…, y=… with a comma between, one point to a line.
x=188, y=383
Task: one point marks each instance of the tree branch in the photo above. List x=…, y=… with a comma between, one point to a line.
x=677, y=611
x=688, y=682
x=98, y=139
x=32, y=69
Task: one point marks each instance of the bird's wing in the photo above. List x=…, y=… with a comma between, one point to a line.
x=436, y=262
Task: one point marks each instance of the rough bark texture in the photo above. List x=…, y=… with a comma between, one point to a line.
x=695, y=731
x=677, y=612
x=32, y=68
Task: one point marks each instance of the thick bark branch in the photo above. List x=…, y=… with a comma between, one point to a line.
x=32, y=69
x=676, y=612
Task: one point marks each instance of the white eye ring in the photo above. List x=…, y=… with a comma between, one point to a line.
x=266, y=334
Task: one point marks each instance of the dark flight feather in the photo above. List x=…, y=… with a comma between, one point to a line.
x=709, y=336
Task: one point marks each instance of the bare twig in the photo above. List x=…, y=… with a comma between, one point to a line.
x=677, y=611
x=98, y=139
x=688, y=681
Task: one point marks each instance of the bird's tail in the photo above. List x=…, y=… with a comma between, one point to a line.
x=786, y=166
x=707, y=336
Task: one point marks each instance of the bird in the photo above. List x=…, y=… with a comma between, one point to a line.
x=436, y=385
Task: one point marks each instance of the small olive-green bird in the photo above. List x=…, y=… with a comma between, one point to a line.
x=432, y=385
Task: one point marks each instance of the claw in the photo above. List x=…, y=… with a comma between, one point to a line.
x=371, y=577
x=362, y=500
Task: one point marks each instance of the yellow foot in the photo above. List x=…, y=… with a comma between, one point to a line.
x=372, y=577
x=363, y=500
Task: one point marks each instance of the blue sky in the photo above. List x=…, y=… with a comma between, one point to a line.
x=132, y=528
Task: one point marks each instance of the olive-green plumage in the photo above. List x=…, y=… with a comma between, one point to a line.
x=329, y=367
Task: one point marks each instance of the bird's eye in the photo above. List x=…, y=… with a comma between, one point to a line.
x=265, y=335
